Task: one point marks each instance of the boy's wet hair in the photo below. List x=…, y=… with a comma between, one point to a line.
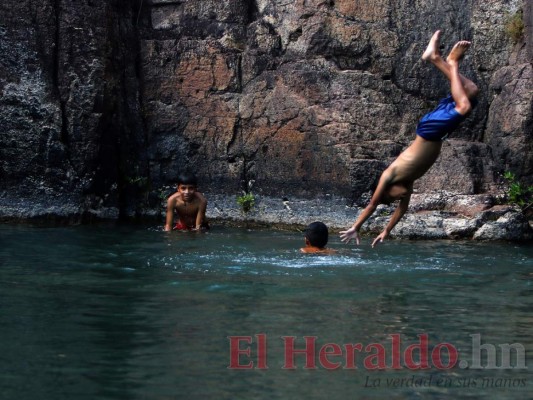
x=187, y=179
x=317, y=234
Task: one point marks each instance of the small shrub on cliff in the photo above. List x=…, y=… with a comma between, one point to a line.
x=514, y=26
x=246, y=202
x=518, y=193
x=137, y=180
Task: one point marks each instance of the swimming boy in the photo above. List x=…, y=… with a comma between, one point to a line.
x=189, y=205
x=316, y=238
x=396, y=182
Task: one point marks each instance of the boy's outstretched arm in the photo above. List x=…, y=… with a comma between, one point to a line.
x=353, y=232
x=170, y=213
x=200, y=216
x=398, y=214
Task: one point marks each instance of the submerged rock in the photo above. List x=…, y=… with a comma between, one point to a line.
x=458, y=228
x=511, y=226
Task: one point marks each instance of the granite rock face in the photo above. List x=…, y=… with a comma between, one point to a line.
x=72, y=129
x=306, y=97
x=103, y=104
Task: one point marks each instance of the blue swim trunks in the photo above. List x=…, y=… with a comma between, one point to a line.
x=437, y=124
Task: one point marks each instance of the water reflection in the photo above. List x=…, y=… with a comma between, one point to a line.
x=130, y=313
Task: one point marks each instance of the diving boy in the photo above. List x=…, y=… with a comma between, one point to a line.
x=396, y=182
x=189, y=205
x=316, y=238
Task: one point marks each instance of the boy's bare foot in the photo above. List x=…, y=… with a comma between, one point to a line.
x=432, y=51
x=458, y=51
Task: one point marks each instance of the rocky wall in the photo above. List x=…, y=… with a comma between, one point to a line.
x=72, y=133
x=306, y=97
x=103, y=104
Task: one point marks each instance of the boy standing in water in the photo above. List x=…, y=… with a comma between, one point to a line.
x=190, y=206
x=316, y=238
x=396, y=182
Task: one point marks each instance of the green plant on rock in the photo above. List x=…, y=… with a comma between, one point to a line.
x=518, y=193
x=137, y=180
x=246, y=202
x=514, y=26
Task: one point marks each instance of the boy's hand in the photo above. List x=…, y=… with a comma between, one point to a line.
x=381, y=237
x=350, y=234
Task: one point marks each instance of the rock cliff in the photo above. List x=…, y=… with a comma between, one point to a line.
x=104, y=103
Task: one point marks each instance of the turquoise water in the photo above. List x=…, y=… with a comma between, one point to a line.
x=122, y=312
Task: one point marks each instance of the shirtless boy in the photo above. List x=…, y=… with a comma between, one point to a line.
x=396, y=182
x=188, y=204
x=316, y=239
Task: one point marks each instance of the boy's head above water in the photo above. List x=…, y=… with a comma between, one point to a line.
x=316, y=235
x=187, y=179
x=187, y=184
